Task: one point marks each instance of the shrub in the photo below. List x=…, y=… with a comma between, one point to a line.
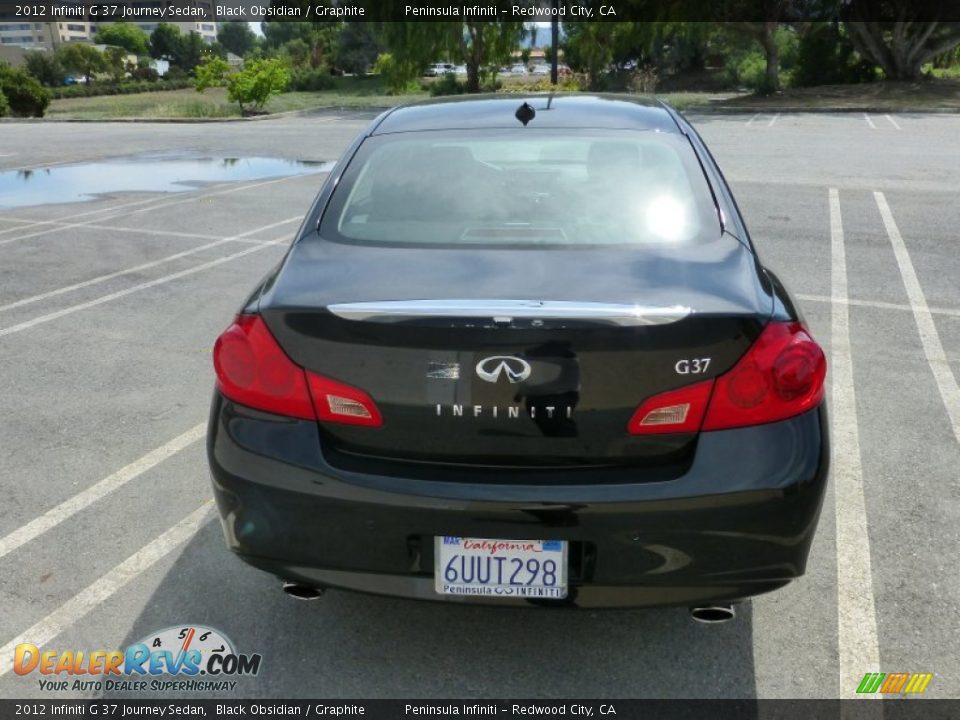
x=24, y=95
x=4, y=105
x=45, y=67
x=398, y=74
x=256, y=83
x=570, y=84
x=124, y=88
x=447, y=85
x=826, y=57
x=643, y=80
x=312, y=79
x=212, y=72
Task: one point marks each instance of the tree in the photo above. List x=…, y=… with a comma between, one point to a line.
x=320, y=38
x=357, y=47
x=115, y=59
x=481, y=46
x=22, y=94
x=165, y=41
x=588, y=48
x=124, y=35
x=81, y=59
x=900, y=35
x=212, y=72
x=45, y=67
x=190, y=51
x=256, y=83
x=237, y=37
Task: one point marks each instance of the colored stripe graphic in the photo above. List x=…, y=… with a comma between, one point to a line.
x=894, y=683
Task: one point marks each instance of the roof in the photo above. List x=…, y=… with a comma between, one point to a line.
x=552, y=111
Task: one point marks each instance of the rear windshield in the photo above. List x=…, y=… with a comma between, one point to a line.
x=522, y=188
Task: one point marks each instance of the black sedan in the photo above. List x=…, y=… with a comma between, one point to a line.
x=523, y=351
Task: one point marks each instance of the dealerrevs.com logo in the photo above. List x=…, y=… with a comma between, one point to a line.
x=182, y=658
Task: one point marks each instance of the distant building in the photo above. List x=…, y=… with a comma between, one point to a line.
x=50, y=35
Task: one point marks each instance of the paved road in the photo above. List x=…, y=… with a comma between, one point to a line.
x=108, y=310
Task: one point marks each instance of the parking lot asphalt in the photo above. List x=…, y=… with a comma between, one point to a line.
x=109, y=309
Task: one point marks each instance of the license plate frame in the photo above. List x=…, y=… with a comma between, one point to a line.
x=504, y=578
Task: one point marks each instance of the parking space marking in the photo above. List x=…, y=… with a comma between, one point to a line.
x=869, y=121
x=70, y=507
x=139, y=230
x=875, y=304
x=856, y=608
x=191, y=199
x=143, y=266
x=750, y=121
x=929, y=337
x=109, y=208
x=136, y=288
x=893, y=122
x=75, y=608
x=773, y=120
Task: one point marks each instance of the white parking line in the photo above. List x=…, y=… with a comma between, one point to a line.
x=929, y=337
x=893, y=122
x=875, y=304
x=191, y=199
x=70, y=507
x=134, y=230
x=869, y=121
x=109, y=208
x=143, y=266
x=856, y=608
x=136, y=288
x=102, y=588
x=750, y=121
x=773, y=120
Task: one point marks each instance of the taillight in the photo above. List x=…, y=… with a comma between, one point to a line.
x=780, y=376
x=253, y=370
x=676, y=411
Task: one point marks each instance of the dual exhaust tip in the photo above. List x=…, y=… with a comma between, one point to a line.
x=707, y=614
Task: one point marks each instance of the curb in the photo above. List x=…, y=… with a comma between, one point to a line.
x=788, y=109
x=200, y=121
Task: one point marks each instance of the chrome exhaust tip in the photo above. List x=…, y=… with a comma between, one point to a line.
x=713, y=614
x=302, y=592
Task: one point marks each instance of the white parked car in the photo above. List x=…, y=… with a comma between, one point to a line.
x=540, y=70
x=439, y=69
x=518, y=69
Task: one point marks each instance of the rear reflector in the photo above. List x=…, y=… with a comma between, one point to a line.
x=253, y=370
x=780, y=376
x=676, y=411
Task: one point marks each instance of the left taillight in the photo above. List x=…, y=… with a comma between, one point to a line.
x=253, y=370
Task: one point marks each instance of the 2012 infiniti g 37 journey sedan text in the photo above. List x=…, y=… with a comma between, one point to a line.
x=523, y=351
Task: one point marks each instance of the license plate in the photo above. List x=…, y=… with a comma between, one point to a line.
x=501, y=568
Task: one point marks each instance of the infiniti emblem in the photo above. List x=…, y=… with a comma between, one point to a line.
x=514, y=368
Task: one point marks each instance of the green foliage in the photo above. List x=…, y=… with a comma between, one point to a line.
x=212, y=72
x=588, y=48
x=45, y=67
x=319, y=38
x=24, y=96
x=236, y=37
x=569, y=84
x=357, y=47
x=190, y=51
x=257, y=82
x=4, y=105
x=124, y=35
x=81, y=59
x=164, y=41
x=447, y=85
x=129, y=87
x=397, y=74
x=116, y=62
x=825, y=56
x=143, y=71
x=311, y=79
x=751, y=71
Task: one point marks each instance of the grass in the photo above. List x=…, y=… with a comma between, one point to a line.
x=369, y=92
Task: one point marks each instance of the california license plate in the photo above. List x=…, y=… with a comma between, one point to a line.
x=501, y=568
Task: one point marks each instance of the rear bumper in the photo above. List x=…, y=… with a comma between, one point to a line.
x=738, y=523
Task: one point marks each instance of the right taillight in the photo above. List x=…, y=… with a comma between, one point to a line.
x=780, y=376
x=253, y=370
